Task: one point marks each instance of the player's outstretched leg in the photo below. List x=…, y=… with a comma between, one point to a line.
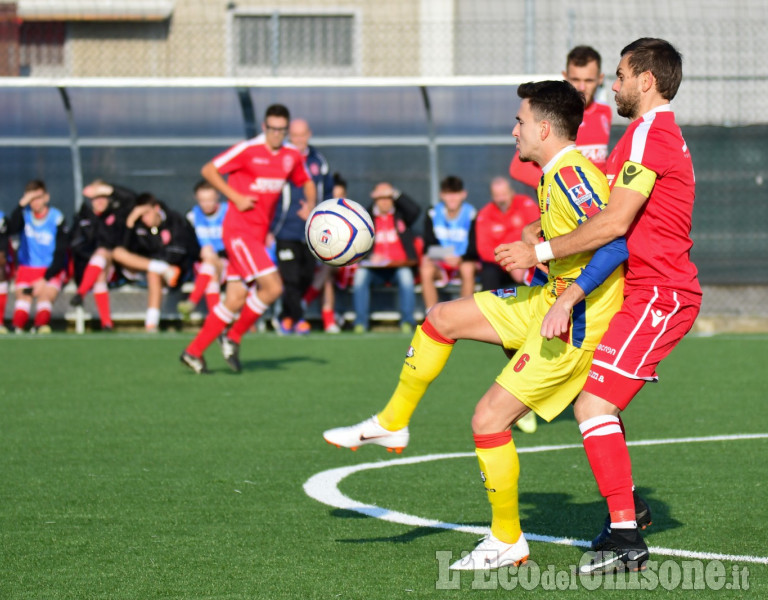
x=500, y=470
x=424, y=360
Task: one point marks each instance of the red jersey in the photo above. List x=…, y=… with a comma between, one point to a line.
x=494, y=227
x=659, y=239
x=591, y=140
x=257, y=171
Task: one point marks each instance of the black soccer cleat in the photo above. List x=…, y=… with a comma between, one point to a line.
x=231, y=352
x=193, y=362
x=642, y=516
x=76, y=300
x=622, y=550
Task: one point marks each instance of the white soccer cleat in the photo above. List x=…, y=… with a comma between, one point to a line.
x=492, y=553
x=368, y=432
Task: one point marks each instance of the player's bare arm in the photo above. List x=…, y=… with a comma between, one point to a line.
x=212, y=176
x=612, y=222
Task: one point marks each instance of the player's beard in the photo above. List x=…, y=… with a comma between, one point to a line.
x=628, y=104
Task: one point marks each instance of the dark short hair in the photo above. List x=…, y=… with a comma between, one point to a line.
x=452, y=184
x=147, y=198
x=339, y=180
x=277, y=110
x=660, y=58
x=583, y=55
x=203, y=184
x=35, y=184
x=557, y=102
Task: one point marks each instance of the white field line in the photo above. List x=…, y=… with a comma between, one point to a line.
x=324, y=487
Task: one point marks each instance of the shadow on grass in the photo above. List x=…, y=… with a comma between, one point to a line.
x=544, y=514
x=557, y=515
x=277, y=364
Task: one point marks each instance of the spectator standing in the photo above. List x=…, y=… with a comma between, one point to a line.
x=502, y=220
x=41, y=258
x=207, y=219
x=294, y=259
x=393, y=257
x=159, y=245
x=449, y=249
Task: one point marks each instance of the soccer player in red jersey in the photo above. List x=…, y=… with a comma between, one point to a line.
x=582, y=71
x=257, y=169
x=651, y=203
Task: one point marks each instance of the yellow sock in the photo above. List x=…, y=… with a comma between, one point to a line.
x=423, y=363
x=501, y=470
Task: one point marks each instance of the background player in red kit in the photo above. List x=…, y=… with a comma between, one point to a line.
x=582, y=71
x=652, y=192
x=257, y=168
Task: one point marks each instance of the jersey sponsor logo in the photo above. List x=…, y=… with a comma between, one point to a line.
x=656, y=317
x=208, y=232
x=596, y=376
x=606, y=349
x=267, y=184
x=258, y=160
x=165, y=235
x=505, y=293
x=110, y=220
x=629, y=173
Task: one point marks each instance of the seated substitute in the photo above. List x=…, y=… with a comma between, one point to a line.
x=207, y=218
x=393, y=257
x=3, y=269
x=159, y=245
x=545, y=374
x=502, y=220
x=41, y=258
x=448, y=243
x=97, y=228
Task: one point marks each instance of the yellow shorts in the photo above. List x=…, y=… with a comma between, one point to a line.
x=545, y=375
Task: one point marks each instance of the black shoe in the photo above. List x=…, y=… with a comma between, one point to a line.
x=76, y=300
x=231, y=352
x=622, y=550
x=193, y=362
x=642, y=516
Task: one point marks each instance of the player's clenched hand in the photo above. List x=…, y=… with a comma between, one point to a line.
x=517, y=255
x=556, y=321
x=304, y=211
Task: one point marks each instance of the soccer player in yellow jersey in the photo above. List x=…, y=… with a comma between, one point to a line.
x=544, y=375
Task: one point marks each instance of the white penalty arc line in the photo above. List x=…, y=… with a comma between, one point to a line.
x=324, y=487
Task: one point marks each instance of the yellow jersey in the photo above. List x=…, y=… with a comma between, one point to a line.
x=570, y=191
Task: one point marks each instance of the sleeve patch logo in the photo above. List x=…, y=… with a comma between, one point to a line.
x=580, y=194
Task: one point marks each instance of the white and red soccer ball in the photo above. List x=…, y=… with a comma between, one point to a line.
x=339, y=232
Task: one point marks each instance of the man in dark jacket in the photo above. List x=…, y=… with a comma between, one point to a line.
x=159, y=242
x=393, y=257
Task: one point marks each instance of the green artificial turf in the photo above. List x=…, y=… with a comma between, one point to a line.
x=125, y=476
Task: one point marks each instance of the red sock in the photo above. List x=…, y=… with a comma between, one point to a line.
x=608, y=456
x=251, y=312
x=20, y=314
x=311, y=295
x=3, y=299
x=329, y=318
x=204, y=276
x=216, y=321
x=212, y=300
x=430, y=331
x=101, y=298
x=43, y=315
x=95, y=267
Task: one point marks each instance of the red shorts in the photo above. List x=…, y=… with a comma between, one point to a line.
x=26, y=277
x=649, y=325
x=248, y=258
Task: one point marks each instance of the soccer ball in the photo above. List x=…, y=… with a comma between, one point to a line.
x=339, y=232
